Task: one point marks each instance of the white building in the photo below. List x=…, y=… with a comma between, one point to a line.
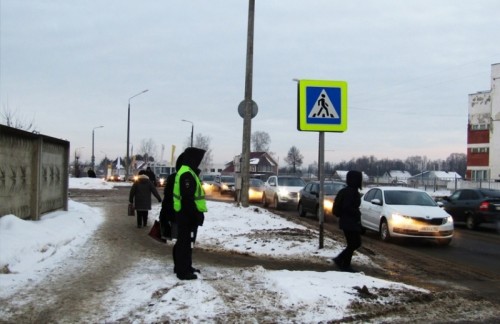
x=483, y=131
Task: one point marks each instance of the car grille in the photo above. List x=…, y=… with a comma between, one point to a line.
x=430, y=221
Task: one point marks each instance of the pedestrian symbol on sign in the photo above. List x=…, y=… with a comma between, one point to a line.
x=323, y=107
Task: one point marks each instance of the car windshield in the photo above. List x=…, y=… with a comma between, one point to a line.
x=256, y=183
x=333, y=188
x=291, y=182
x=227, y=179
x=400, y=197
x=491, y=193
x=208, y=178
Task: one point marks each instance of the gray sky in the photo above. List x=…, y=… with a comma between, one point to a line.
x=410, y=65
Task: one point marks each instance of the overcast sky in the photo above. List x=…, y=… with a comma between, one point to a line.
x=71, y=66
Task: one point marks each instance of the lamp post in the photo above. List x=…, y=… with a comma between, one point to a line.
x=128, y=134
x=192, y=130
x=92, y=163
x=76, y=170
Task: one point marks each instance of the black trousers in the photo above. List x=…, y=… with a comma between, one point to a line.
x=353, y=239
x=142, y=218
x=183, y=250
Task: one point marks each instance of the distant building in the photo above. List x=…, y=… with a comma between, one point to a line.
x=396, y=177
x=434, y=178
x=262, y=165
x=342, y=175
x=483, y=132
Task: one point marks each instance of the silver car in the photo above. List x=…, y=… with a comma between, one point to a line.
x=282, y=190
x=405, y=212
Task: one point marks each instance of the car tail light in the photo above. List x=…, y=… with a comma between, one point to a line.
x=484, y=206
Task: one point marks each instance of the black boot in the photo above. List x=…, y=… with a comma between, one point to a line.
x=187, y=276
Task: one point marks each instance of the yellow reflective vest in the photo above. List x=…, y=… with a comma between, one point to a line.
x=199, y=198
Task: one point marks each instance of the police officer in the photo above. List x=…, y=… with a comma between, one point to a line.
x=189, y=206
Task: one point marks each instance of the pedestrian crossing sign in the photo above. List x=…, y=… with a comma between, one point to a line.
x=322, y=106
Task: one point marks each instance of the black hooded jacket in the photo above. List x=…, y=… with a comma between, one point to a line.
x=167, y=207
x=189, y=214
x=350, y=200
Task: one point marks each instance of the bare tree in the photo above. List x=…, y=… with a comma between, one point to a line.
x=294, y=158
x=260, y=141
x=148, y=149
x=15, y=121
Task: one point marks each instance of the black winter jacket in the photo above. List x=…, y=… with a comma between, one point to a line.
x=140, y=193
x=350, y=200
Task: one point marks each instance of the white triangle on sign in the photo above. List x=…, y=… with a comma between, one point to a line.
x=323, y=108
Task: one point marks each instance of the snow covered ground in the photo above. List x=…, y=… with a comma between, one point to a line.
x=319, y=296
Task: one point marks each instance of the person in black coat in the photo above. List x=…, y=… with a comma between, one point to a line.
x=91, y=173
x=346, y=207
x=140, y=196
x=189, y=216
x=151, y=175
x=167, y=213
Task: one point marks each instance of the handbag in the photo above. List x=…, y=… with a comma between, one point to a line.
x=155, y=232
x=131, y=210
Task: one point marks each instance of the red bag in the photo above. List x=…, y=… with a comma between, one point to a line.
x=155, y=232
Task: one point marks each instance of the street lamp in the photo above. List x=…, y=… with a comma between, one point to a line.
x=192, y=130
x=76, y=171
x=92, y=163
x=128, y=134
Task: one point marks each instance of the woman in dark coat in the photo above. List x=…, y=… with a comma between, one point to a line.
x=346, y=207
x=140, y=196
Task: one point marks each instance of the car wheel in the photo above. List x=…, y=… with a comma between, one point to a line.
x=264, y=200
x=385, y=235
x=276, y=204
x=302, y=212
x=470, y=223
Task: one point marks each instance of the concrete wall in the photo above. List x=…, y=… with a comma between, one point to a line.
x=33, y=173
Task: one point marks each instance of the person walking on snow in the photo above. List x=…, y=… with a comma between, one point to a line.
x=189, y=206
x=346, y=207
x=140, y=196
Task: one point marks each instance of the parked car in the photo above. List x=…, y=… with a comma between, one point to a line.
x=405, y=212
x=309, y=197
x=282, y=190
x=162, y=179
x=115, y=178
x=224, y=184
x=255, y=190
x=474, y=206
x=207, y=181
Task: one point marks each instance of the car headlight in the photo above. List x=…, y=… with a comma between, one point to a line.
x=448, y=220
x=283, y=193
x=327, y=204
x=398, y=219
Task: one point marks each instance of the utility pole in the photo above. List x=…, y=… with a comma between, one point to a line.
x=247, y=119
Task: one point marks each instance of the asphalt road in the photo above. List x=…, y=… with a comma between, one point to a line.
x=471, y=261
x=470, y=264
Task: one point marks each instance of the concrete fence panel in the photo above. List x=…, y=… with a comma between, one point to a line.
x=33, y=173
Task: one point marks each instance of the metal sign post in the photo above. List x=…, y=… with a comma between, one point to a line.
x=321, y=174
x=321, y=107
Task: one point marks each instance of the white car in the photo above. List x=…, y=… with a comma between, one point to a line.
x=282, y=190
x=405, y=212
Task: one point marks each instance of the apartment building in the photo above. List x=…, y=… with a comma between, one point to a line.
x=483, y=132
